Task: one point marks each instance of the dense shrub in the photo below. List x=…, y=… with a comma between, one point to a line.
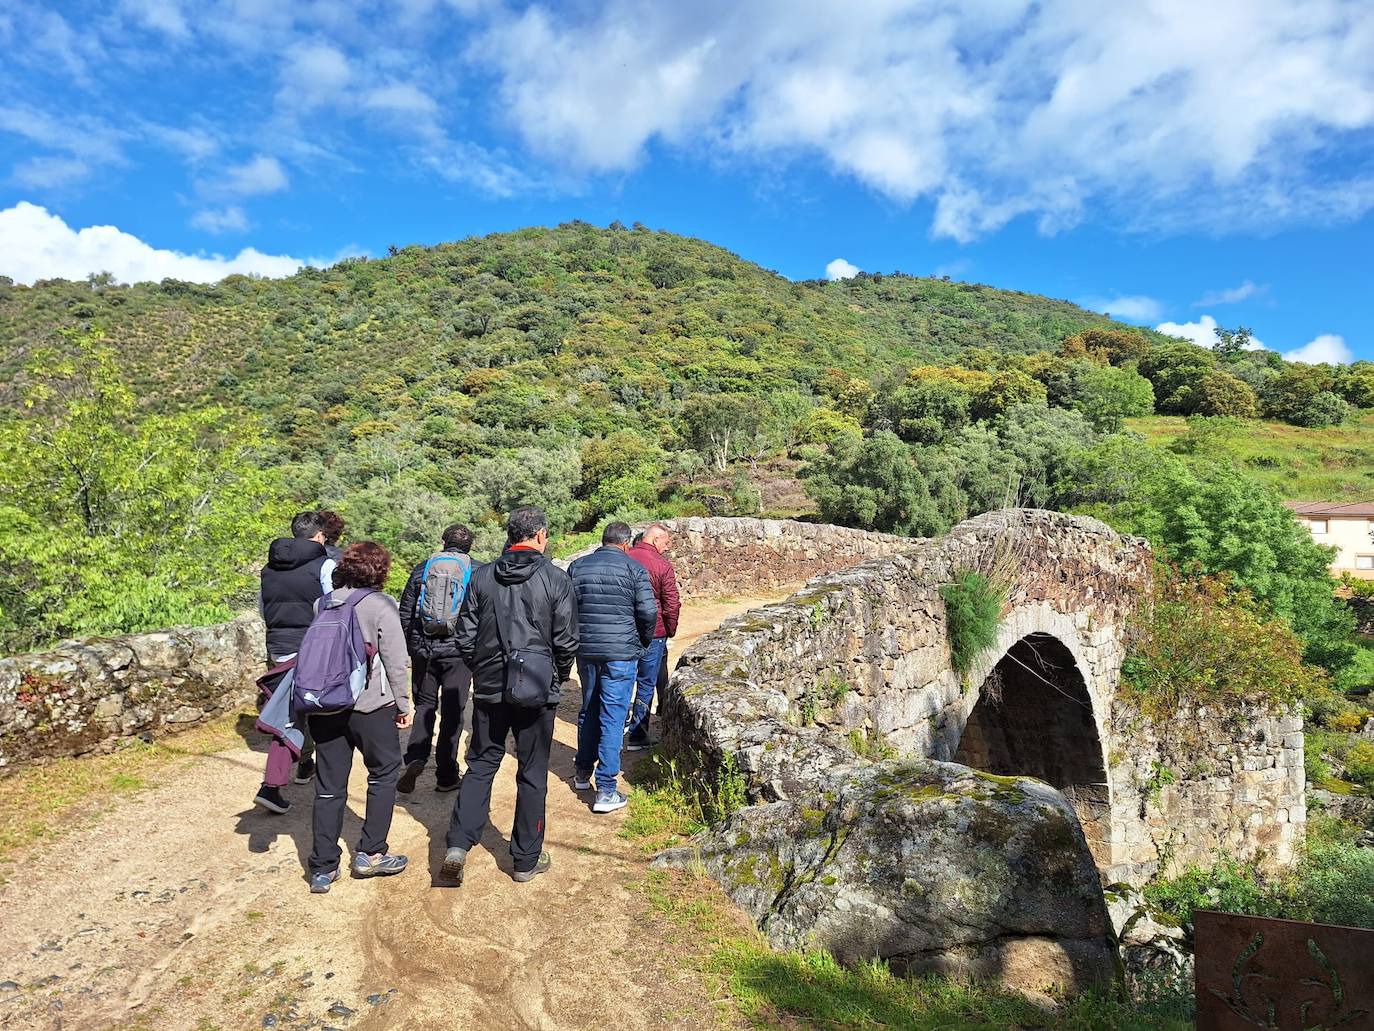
x=1200, y=642
x=973, y=610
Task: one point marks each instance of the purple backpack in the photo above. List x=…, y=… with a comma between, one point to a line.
x=332, y=663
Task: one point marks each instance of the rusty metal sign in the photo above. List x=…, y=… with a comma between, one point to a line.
x=1254, y=972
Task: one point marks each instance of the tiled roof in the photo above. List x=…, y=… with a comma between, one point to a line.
x=1334, y=510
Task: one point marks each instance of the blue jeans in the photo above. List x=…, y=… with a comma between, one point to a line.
x=607, y=685
x=650, y=663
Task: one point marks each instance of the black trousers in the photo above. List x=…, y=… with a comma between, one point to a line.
x=336, y=736
x=440, y=686
x=492, y=723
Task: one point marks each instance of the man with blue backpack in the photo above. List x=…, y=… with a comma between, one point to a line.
x=430, y=604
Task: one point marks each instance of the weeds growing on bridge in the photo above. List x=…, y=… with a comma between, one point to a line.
x=973, y=610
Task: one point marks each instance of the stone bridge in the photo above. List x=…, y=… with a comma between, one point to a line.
x=846, y=689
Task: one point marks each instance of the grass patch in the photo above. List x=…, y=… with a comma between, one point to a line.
x=39, y=802
x=1332, y=464
x=769, y=989
x=668, y=807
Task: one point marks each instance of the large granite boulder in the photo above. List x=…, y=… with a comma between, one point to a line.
x=931, y=866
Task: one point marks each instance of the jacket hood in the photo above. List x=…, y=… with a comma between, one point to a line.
x=293, y=552
x=515, y=567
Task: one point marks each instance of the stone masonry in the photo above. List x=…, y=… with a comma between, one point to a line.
x=87, y=695
x=857, y=665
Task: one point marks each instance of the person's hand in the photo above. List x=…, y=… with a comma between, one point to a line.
x=404, y=720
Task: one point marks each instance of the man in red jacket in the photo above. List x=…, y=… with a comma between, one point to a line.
x=649, y=553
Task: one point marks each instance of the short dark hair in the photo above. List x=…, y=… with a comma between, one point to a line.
x=638, y=539
x=306, y=525
x=524, y=522
x=332, y=524
x=457, y=538
x=616, y=534
x=363, y=564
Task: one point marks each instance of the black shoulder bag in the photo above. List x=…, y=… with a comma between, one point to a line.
x=529, y=674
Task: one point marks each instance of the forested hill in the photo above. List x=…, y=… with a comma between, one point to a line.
x=622, y=317
x=172, y=429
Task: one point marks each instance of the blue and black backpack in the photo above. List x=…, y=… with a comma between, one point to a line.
x=443, y=585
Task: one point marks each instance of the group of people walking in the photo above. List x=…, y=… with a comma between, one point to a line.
x=340, y=653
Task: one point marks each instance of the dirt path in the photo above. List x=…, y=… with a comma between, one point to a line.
x=185, y=907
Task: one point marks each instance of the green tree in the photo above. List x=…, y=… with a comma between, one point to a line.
x=722, y=425
x=1106, y=395
x=1220, y=393
x=114, y=521
x=1175, y=371
x=1213, y=519
x=879, y=484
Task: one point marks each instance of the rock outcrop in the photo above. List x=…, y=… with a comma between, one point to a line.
x=86, y=695
x=930, y=866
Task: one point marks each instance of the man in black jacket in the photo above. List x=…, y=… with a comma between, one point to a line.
x=616, y=616
x=439, y=677
x=521, y=603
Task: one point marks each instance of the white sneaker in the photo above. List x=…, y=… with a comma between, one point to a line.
x=609, y=802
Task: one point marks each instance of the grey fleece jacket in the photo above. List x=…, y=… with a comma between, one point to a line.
x=389, y=681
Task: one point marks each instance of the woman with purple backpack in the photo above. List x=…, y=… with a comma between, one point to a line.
x=355, y=616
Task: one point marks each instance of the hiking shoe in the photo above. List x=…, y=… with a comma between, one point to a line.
x=305, y=771
x=379, y=865
x=272, y=800
x=452, y=870
x=582, y=781
x=609, y=802
x=541, y=866
x=439, y=785
x=638, y=744
x=412, y=773
x=320, y=882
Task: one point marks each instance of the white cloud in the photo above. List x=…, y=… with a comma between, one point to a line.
x=841, y=269
x=1203, y=332
x=258, y=176
x=162, y=15
x=1133, y=308
x=36, y=244
x=46, y=173
x=400, y=98
x=1327, y=348
x=313, y=75
x=1169, y=114
x=1234, y=295
x=226, y=220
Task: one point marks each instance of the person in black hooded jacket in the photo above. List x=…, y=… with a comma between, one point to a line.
x=533, y=601
x=298, y=573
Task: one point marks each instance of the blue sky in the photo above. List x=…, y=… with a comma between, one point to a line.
x=1176, y=163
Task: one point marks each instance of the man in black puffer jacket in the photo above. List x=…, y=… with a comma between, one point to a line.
x=532, y=600
x=616, y=615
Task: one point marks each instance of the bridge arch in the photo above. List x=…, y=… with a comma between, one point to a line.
x=1034, y=716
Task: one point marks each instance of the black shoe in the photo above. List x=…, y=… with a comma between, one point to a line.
x=272, y=800
x=638, y=744
x=542, y=866
x=445, y=786
x=412, y=773
x=305, y=771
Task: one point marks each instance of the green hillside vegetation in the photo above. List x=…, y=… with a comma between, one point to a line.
x=1335, y=463
x=598, y=373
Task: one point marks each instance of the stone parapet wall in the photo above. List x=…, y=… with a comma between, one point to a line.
x=722, y=556
x=86, y=695
x=1204, y=782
